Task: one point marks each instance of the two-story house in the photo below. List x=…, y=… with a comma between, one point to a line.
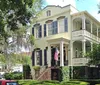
x=64, y=28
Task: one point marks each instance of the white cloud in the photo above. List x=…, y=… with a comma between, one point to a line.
x=98, y=0
x=61, y=2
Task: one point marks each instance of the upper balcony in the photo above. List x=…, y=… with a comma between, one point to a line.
x=84, y=26
x=77, y=34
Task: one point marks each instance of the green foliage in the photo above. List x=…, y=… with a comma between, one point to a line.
x=51, y=82
x=2, y=58
x=65, y=73
x=13, y=76
x=79, y=72
x=74, y=83
x=36, y=68
x=31, y=38
x=18, y=11
x=94, y=55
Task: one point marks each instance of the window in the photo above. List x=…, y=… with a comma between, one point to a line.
x=52, y=28
x=38, y=57
x=63, y=25
x=39, y=31
x=48, y=13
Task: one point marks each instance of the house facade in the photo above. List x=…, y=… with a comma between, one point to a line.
x=69, y=31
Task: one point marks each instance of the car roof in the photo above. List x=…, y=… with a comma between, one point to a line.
x=8, y=80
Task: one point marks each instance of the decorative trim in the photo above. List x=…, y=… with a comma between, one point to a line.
x=48, y=21
x=61, y=17
x=37, y=24
x=36, y=49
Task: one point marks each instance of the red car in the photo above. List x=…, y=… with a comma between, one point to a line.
x=8, y=82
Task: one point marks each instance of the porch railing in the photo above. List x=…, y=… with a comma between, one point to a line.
x=85, y=33
x=79, y=61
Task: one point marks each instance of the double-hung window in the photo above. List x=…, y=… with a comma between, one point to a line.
x=39, y=31
x=63, y=25
x=38, y=57
x=52, y=28
x=48, y=13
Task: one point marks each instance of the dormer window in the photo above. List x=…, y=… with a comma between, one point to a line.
x=48, y=13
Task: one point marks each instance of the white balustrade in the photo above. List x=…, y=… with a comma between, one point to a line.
x=80, y=61
x=85, y=33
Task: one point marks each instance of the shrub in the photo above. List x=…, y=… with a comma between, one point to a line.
x=74, y=83
x=13, y=76
x=51, y=82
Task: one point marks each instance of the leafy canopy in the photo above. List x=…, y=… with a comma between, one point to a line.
x=94, y=55
x=15, y=12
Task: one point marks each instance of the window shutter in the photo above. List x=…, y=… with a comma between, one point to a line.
x=45, y=57
x=66, y=24
x=33, y=31
x=40, y=57
x=55, y=27
x=33, y=58
x=40, y=31
x=45, y=30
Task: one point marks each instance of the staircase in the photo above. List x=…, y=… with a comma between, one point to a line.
x=45, y=75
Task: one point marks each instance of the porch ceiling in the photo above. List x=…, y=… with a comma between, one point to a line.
x=58, y=40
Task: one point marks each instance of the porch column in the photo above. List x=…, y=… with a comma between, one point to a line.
x=91, y=46
x=71, y=52
x=83, y=23
x=91, y=28
x=71, y=58
x=84, y=46
x=49, y=56
x=61, y=54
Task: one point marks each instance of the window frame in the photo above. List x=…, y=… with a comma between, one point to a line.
x=50, y=28
x=38, y=31
x=48, y=13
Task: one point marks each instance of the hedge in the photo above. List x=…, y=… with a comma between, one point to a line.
x=74, y=83
x=13, y=76
x=51, y=82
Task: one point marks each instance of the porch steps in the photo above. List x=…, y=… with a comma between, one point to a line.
x=45, y=75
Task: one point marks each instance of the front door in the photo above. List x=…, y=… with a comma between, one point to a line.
x=55, y=74
x=52, y=56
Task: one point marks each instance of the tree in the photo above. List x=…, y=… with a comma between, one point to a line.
x=94, y=55
x=15, y=15
x=15, y=12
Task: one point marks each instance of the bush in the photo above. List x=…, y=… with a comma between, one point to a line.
x=13, y=76
x=74, y=83
x=51, y=82
x=31, y=82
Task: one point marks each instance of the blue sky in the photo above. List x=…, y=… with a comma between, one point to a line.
x=81, y=5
